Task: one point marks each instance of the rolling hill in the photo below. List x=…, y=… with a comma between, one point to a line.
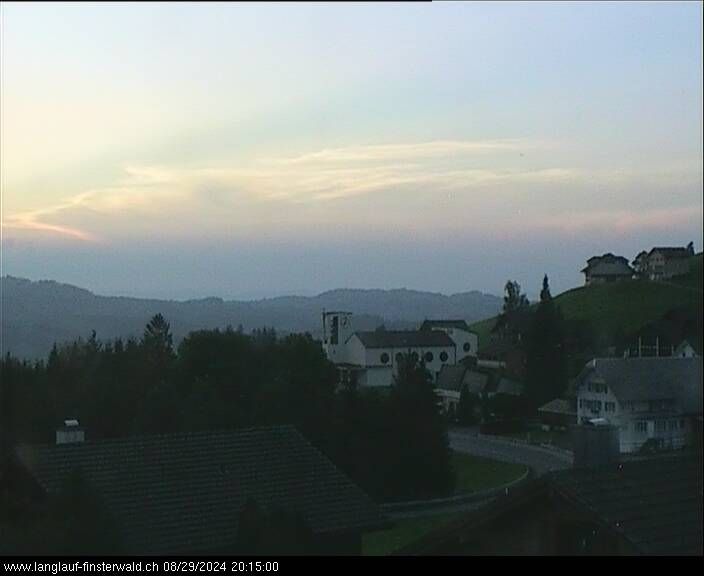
x=624, y=307
x=37, y=314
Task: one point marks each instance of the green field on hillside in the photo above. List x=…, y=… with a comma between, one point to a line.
x=623, y=307
x=626, y=306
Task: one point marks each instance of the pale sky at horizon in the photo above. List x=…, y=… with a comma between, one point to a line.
x=247, y=150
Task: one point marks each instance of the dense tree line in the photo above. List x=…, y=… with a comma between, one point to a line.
x=394, y=444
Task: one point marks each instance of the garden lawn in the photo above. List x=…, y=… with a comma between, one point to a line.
x=404, y=532
x=474, y=473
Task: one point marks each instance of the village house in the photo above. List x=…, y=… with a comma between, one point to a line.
x=184, y=493
x=664, y=262
x=605, y=269
x=686, y=350
x=559, y=414
x=649, y=399
x=371, y=358
x=453, y=380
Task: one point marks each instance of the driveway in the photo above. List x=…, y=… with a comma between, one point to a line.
x=541, y=460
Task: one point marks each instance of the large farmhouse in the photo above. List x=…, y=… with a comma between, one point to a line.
x=606, y=268
x=371, y=358
x=648, y=399
x=664, y=262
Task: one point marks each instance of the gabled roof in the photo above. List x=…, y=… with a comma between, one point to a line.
x=459, y=324
x=476, y=381
x=652, y=378
x=671, y=252
x=558, y=406
x=504, y=385
x=607, y=258
x=182, y=493
x=694, y=343
x=451, y=377
x=654, y=503
x=405, y=339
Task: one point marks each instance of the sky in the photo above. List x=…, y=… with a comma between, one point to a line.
x=253, y=150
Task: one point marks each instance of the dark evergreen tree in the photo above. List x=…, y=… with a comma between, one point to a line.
x=419, y=455
x=546, y=369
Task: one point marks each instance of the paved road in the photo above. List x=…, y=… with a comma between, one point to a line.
x=541, y=460
x=436, y=510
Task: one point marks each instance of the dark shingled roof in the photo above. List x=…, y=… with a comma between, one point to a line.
x=182, y=493
x=430, y=324
x=652, y=378
x=405, y=339
x=609, y=269
x=671, y=252
x=504, y=385
x=451, y=377
x=654, y=503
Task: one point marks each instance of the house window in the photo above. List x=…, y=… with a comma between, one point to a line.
x=384, y=358
x=414, y=356
x=429, y=357
x=443, y=356
x=399, y=358
x=642, y=427
x=466, y=347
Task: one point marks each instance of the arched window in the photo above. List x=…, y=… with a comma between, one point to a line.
x=384, y=358
x=414, y=356
x=399, y=358
x=443, y=356
x=429, y=357
x=466, y=347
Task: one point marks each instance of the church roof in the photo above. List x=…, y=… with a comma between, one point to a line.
x=405, y=339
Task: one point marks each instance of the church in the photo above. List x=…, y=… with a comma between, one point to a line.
x=371, y=358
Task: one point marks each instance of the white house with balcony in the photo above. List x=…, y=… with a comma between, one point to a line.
x=648, y=399
x=371, y=358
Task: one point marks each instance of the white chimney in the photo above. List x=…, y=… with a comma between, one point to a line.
x=71, y=433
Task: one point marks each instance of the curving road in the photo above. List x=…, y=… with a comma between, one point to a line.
x=541, y=460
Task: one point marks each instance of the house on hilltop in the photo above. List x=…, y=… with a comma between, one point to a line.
x=606, y=269
x=664, y=262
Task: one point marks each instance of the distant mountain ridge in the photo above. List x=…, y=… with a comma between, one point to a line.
x=35, y=314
